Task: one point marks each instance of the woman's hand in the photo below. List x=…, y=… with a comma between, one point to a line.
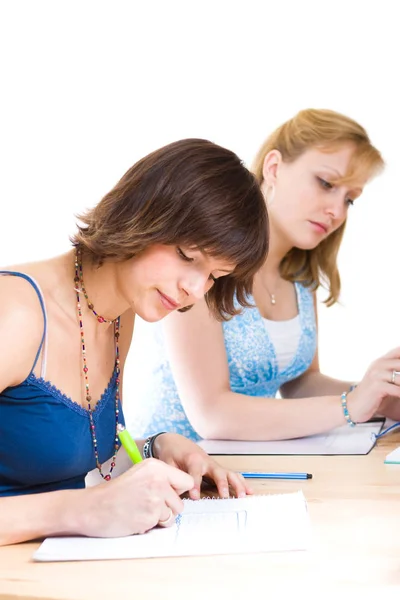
x=180, y=452
x=145, y=495
x=377, y=389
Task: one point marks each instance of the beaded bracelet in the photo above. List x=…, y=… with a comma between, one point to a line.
x=343, y=399
x=149, y=444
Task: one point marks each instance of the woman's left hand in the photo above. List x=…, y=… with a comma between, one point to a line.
x=184, y=454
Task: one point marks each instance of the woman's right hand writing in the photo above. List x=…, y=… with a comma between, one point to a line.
x=134, y=502
x=365, y=400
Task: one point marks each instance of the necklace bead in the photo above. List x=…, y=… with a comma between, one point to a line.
x=79, y=286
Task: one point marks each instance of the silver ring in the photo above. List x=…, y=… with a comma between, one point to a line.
x=168, y=521
x=394, y=375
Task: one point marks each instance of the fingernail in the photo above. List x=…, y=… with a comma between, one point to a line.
x=242, y=494
x=225, y=493
x=195, y=493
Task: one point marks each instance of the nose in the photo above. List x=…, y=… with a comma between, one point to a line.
x=336, y=208
x=196, y=284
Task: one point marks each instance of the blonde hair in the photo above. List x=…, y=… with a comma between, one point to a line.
x=326, y=130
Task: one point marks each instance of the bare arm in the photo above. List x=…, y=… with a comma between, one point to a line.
x=38, y=515
x=21, y=326
x=200, y=367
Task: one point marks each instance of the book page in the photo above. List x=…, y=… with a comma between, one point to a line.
x=209, y=526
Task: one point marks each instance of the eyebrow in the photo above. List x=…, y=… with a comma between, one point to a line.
x=227, y=271
x=333, y=169
x=358, y=189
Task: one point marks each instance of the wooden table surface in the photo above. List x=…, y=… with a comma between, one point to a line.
x=354, y=505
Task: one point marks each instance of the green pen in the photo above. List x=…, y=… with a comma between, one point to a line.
x=129, y=444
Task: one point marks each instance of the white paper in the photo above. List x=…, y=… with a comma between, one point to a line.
x=209, y=526
x=393, y=458
x=342, y=440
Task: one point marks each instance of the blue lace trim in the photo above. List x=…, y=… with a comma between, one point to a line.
x=47, y=386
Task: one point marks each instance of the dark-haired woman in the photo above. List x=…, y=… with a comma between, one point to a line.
x=66, y=326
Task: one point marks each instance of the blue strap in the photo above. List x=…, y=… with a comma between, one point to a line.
x=35, y=287
x=385, y=431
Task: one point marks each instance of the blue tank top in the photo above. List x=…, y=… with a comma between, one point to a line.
x=45, y=439
x=253, y=368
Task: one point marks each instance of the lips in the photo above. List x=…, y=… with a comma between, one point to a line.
x=168, y=302
x=322, y=226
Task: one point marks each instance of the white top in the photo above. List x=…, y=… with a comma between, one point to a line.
x=285, y=336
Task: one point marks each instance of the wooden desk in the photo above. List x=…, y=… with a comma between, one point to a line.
x=354, y=504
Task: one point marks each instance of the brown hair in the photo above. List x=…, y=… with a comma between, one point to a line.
x=191, y=192
x=326, y=130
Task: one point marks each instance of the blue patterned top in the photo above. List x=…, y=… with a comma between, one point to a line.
x=253, y=368
x=45, y=438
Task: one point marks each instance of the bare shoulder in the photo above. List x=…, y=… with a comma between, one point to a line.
x=21, y=329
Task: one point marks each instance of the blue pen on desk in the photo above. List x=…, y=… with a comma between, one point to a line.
x=277, y=475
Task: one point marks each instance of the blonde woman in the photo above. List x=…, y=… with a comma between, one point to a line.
x=220, y=380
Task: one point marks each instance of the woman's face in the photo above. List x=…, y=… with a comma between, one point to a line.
x=165, y=278
x=307, y=205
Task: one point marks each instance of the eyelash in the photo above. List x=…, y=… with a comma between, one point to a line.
x=183, y=256
x=329, y=186
x=324, y=184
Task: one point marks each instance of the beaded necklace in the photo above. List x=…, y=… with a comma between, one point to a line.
x=79, y=287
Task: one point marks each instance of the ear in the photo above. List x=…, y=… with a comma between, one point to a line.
x=271, y=163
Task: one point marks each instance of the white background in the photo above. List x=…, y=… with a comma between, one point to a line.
x=88, y=87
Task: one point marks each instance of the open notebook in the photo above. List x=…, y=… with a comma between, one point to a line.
x=341, y=440
x=208, y=526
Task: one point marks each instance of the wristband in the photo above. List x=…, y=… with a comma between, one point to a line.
x=343, y=399
x=149, y=444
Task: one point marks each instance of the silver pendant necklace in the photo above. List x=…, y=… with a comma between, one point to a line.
x=271, y=295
